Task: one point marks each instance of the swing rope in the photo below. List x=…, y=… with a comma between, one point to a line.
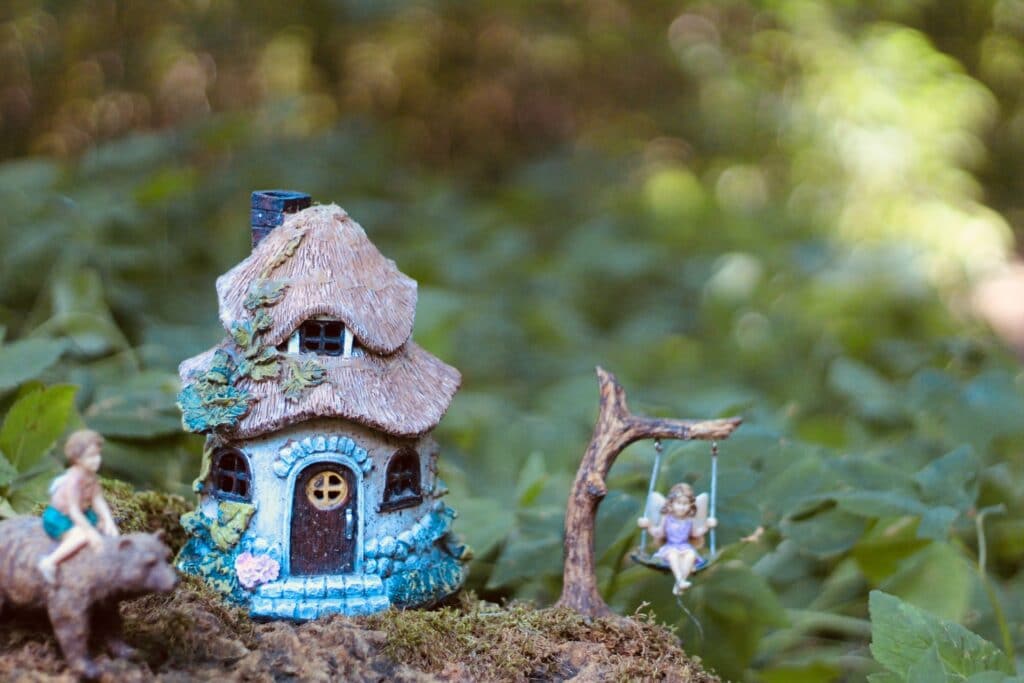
x=714, y=493
x=694, y=620
x=658, y=448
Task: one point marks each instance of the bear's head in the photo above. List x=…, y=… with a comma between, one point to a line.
x=140, y=563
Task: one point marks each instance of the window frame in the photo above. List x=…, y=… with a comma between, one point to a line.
x=237, y=475
x=322, y=338
x=348, y=347
x=411, y=493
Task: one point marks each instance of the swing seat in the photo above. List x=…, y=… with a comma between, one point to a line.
x=652, y=561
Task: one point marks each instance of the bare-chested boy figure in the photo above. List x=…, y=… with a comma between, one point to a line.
x=77, y=512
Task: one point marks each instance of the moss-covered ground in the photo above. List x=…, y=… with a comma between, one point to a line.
x=191, y=635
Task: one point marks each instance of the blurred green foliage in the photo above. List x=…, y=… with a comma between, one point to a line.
x=913, y=645
x=767, y=207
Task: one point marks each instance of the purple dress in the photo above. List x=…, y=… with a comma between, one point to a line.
x=677, y=536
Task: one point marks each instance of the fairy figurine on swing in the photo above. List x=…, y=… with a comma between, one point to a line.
x=680, y=524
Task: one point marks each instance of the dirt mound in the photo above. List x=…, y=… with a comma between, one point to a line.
x=191, y=635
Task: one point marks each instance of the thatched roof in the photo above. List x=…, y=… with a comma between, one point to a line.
x=334, y=271
x=404, y=394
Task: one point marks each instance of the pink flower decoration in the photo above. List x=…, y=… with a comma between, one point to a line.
x=252, y=570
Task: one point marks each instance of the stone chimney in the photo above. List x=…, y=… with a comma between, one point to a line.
x=269, y=208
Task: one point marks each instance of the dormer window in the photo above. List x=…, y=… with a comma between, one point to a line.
x=324, y=338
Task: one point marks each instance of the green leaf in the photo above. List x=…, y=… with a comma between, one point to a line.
x=142, y=407
x=232, y=521
x=526, y=554
x=263, y=354
x=993, y=677
x=935, y=522
x=867, y=390
x=937, y=564
x=90, y=335
x=949, y=479
x=977, y=412
x=6, y=511
x=262, y=321
x=135, y=420
x=27, y=494
x=906, y=641
x=23, y=178
x=243, y=334
x=490, y=523
x=303, y=375
x=205, y=407
x=34, y=423
x=785, y=491
x=881, y=552
x=928, y=669
x=531, y=479
x=828, y=533
x=27, y=359
x=871, y=474
x=813, y=673
x=7, y=471
x=616, y=522
x=222, y=371
x=879, y=503
x=734, y=590
x=81, y=313
x=265, y=293
x=265, y=369
x=885, y=677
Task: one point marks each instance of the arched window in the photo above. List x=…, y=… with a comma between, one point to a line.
x=402, y=481
x=230, y=474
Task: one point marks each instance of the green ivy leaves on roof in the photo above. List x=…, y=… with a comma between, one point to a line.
x=214, y=401
x=303, y=375
x=265, y=293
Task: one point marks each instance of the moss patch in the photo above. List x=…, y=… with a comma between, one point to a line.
x=476, y=640
x=191, y=634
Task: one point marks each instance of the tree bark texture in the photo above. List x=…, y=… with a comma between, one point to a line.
x=615, y=429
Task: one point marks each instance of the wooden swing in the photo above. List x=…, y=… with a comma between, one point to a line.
x=616, y=428
x=652, y=511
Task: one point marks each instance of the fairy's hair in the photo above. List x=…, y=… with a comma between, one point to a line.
x=675, y=493
x=78, y=443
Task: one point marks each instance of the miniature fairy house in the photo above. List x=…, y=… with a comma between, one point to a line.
x=319, y=491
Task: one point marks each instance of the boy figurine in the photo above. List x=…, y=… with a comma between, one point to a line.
x=77, y=513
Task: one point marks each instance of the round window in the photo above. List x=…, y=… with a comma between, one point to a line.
x=327, y=490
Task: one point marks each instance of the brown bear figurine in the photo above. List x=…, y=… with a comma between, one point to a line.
x=91, y=584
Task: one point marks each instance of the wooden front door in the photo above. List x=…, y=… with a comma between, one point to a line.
x=325, y=520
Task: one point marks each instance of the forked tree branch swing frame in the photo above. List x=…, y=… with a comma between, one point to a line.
x=615, y=429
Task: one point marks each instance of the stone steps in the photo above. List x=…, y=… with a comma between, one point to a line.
x=307, y=597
